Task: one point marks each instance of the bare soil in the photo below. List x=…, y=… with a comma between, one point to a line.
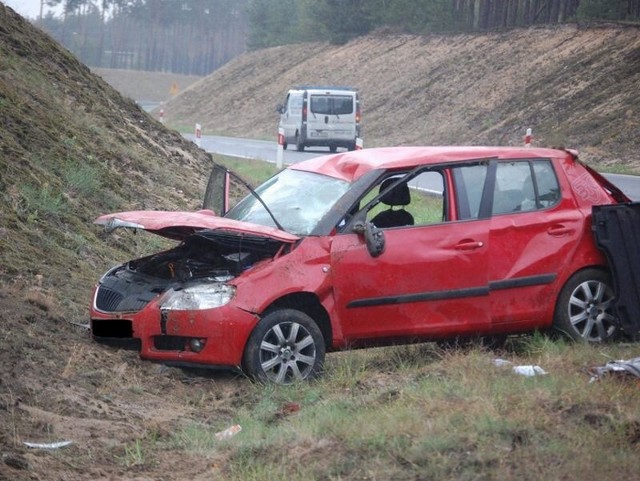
x=574, y=86
x=146, y=86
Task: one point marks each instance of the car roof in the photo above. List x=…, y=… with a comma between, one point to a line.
x=352, y=165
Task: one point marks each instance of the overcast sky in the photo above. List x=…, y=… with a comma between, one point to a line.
x=26, y=8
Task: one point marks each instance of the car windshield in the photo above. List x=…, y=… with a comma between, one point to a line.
x=297, y=199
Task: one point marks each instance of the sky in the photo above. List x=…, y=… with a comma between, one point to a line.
x=26, y=8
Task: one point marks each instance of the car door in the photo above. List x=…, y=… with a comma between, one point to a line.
x=291, y=117
x=535, y=229
x=430, y=281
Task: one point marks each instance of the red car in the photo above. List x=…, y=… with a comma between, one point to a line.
x=364, y=248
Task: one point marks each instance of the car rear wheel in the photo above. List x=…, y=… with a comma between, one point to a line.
x=299, y=143
x=585, y=310
x=286, y=346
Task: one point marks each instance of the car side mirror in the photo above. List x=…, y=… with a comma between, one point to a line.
x=280, y=108
x=373, y=237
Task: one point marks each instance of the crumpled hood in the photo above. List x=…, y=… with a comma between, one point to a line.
x=179, y=225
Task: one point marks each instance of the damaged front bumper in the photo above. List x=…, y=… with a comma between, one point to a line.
x=214, y=337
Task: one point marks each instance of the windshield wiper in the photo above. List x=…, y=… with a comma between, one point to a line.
x=257, y=196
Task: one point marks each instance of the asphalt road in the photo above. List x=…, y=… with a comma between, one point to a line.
x=254, y=149
x=267, y=150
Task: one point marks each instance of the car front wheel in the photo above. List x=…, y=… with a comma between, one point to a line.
x=286, y=346
x=585, y=309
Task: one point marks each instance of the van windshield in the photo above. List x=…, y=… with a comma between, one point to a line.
x=332, y=104
x=297, y=199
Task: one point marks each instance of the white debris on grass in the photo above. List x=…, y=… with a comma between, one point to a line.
x=58, y=445
x=528, y=371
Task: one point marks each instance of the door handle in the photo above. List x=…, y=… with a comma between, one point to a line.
x=560, y=230
x=468, y=245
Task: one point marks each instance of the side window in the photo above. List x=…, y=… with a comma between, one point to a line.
x=547, y=183
x=524, y=186
x=420, y=201
x=295, y=104
x=513, y=190
x=469, y=181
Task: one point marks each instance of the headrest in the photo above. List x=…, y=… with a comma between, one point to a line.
x=398, y=196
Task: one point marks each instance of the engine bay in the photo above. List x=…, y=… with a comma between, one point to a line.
x=210, y=256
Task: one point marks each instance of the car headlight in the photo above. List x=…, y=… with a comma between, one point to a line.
x=201, y=296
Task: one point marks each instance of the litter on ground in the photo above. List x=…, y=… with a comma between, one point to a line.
x=630, y=366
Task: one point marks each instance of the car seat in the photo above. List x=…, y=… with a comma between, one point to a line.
x=398, y=196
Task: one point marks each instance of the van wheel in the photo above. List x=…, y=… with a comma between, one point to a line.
x=333, y=149
x=299, y=144
x=584, y=310
x=284, y=146
x=285, y=347
x=352, y=146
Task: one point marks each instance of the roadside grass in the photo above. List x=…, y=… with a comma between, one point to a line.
x=180, y=126
x=421, y=412
x=612, y=168
x=251, y=171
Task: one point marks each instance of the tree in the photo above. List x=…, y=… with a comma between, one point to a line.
x=603, y=9
x=342, y=19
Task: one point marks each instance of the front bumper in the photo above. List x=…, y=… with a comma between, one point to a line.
x=213, y=337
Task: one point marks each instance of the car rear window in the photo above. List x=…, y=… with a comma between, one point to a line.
x=332, y=104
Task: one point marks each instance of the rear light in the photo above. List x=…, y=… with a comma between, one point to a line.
x=304, y=112
x=358, y=115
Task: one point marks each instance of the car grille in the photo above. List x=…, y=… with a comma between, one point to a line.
x=110, y=300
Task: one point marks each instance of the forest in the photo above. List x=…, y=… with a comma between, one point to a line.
x=195, y=37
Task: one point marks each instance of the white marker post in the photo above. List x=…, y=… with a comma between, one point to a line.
x=359, y=143
x=280, y=153
x=527, y=138
x=198, y=135
x=162, y=116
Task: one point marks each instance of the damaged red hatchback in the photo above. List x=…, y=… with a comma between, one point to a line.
x=364, y=248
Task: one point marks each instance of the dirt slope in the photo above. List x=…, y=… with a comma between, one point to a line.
x=146, y=86
x=72, y=148
x=576, y=87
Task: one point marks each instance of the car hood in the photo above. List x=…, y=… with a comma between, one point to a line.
x=179, y=225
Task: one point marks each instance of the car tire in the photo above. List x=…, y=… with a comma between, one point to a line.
x=285, y=347
x=284, y=146
x=585, y=307
x=299, y=144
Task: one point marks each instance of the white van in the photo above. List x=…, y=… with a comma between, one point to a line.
x=321, y=116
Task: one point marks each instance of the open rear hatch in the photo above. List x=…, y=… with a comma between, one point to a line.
x=617, y=232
